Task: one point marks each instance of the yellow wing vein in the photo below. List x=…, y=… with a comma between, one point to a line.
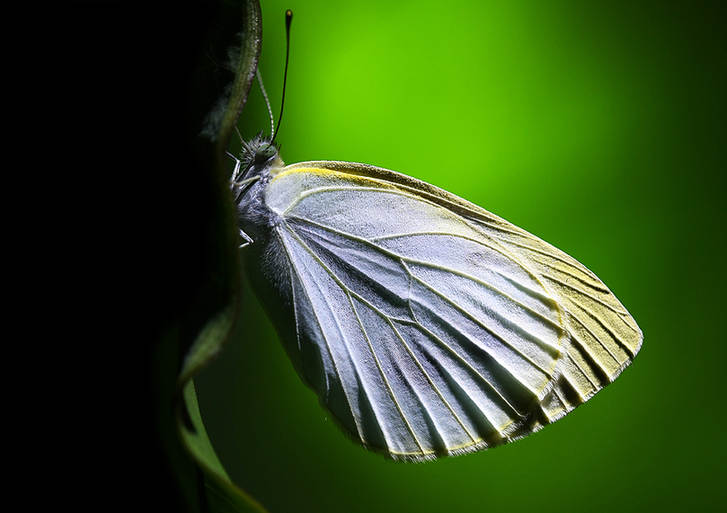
x=431, y=381
x=496, y=226
x=462, y=360
x=292, y=295
x=376, y=359
x=462, y=274
x=585, y=374
x=592, y=357
x=542, y=343
x=597, y=285
x=442, y=343
x=330, y=188
x=383, y=374
x=585, y=293
x=606, y=328
x=596, y=338
x=572, y=263
x=476, y=241
x=328, y=347
x=485, y=327
x=351, y=294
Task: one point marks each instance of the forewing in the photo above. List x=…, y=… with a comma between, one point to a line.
x=423, y=329
x=602, y=339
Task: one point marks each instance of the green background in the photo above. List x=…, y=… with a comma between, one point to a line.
x=597, y=127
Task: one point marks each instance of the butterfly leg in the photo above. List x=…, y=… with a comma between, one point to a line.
x=237, y=165
x=246, y=238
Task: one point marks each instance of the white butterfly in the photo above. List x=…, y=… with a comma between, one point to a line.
x=426, y=325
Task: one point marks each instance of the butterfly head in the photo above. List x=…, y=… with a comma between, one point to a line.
x=259, y=160
x=259, y=157
x=259, y=151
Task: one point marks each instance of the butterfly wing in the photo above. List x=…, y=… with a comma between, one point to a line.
x=427, y=325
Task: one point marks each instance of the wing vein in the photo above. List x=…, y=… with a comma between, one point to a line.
x=462, y=274
x=554, y=256
x=348, y=292
x=497, y=249
x=383, y=374
x=461, y=359
x=484, y=326
x=580, y=369
x=596, y=286
x=606, y=328
x=477, y=373
x=317, y=190
x=595, y=337
x=292, y=294
x=592, y=358
x=585, y=293
x=483, y=349
x=431, y=382
x=328, y=347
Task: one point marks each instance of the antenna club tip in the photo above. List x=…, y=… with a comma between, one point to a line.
x=288, y=13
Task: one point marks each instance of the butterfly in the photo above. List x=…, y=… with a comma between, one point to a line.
x=425, y=324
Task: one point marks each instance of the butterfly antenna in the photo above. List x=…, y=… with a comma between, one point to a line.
x=267, y=102
x=288, y=20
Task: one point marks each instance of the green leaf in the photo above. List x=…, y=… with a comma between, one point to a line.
x=220, y=494
x=222, y=83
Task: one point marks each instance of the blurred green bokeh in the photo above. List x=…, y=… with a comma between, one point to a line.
x=601, y=129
